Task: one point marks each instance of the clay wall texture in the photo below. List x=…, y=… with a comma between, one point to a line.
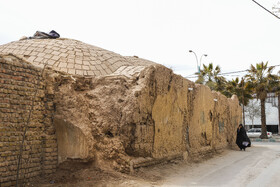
x=18, y=82
x=187, y=117
x=137, y=114
x=123, y=121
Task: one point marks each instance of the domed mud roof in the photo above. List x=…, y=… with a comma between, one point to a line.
x=74, y=57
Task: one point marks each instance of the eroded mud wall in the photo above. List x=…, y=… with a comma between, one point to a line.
x=18, y=83
x=169, y=97
x=98, y=111
x=214, y=121
x=153, y=115
x=187, y=117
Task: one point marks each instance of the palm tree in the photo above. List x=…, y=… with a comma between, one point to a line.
x=221, y=84
x=242, y=90
x=263, y=81
x=209, y=76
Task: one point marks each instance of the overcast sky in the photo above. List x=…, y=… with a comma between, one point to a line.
x=233, y=33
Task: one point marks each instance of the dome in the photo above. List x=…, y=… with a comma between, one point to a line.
x=74, y=57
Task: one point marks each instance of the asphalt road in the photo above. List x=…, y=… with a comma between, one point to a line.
x=258, y=166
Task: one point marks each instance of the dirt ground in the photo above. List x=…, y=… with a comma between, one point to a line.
x=259, y=165
x=83, y=175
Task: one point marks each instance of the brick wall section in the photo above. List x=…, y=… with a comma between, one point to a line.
x=18, y=82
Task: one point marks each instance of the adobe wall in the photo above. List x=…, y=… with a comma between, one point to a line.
x=187, y=118
x=114, y=122
x=18, y=83
x=214, y=121
x=126, y=122
x=121, y=120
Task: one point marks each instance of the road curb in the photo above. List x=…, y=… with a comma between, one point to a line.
x=265, y=140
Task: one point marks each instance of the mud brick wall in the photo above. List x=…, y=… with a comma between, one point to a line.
x=192, y=121
x=18, y=83
x=127, y=122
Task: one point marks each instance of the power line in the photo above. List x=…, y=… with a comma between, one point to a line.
x=228, y=73
x=233, y=72
x=265, y=9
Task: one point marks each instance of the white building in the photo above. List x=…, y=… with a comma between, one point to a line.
x=272, y=121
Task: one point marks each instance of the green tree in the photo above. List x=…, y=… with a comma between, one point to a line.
x=263, y=82
x=209, y=76
x=242, y=89
x=221, y=84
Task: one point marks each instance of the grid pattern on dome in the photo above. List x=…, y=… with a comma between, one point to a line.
x=72, y=56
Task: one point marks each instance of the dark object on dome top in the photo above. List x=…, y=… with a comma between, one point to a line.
x=42, y=35
x=54, y=34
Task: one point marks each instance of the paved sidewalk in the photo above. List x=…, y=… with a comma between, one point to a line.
x=275, y=138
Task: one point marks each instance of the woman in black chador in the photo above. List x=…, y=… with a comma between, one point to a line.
x=242, y=139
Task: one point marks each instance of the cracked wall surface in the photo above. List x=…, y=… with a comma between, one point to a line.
x=153, y=115
x=137, y=114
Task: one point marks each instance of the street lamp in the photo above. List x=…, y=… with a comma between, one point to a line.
x=198, y=66
x=200, y=61
x=196, y=60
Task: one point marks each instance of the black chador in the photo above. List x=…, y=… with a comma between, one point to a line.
x=242, y=139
